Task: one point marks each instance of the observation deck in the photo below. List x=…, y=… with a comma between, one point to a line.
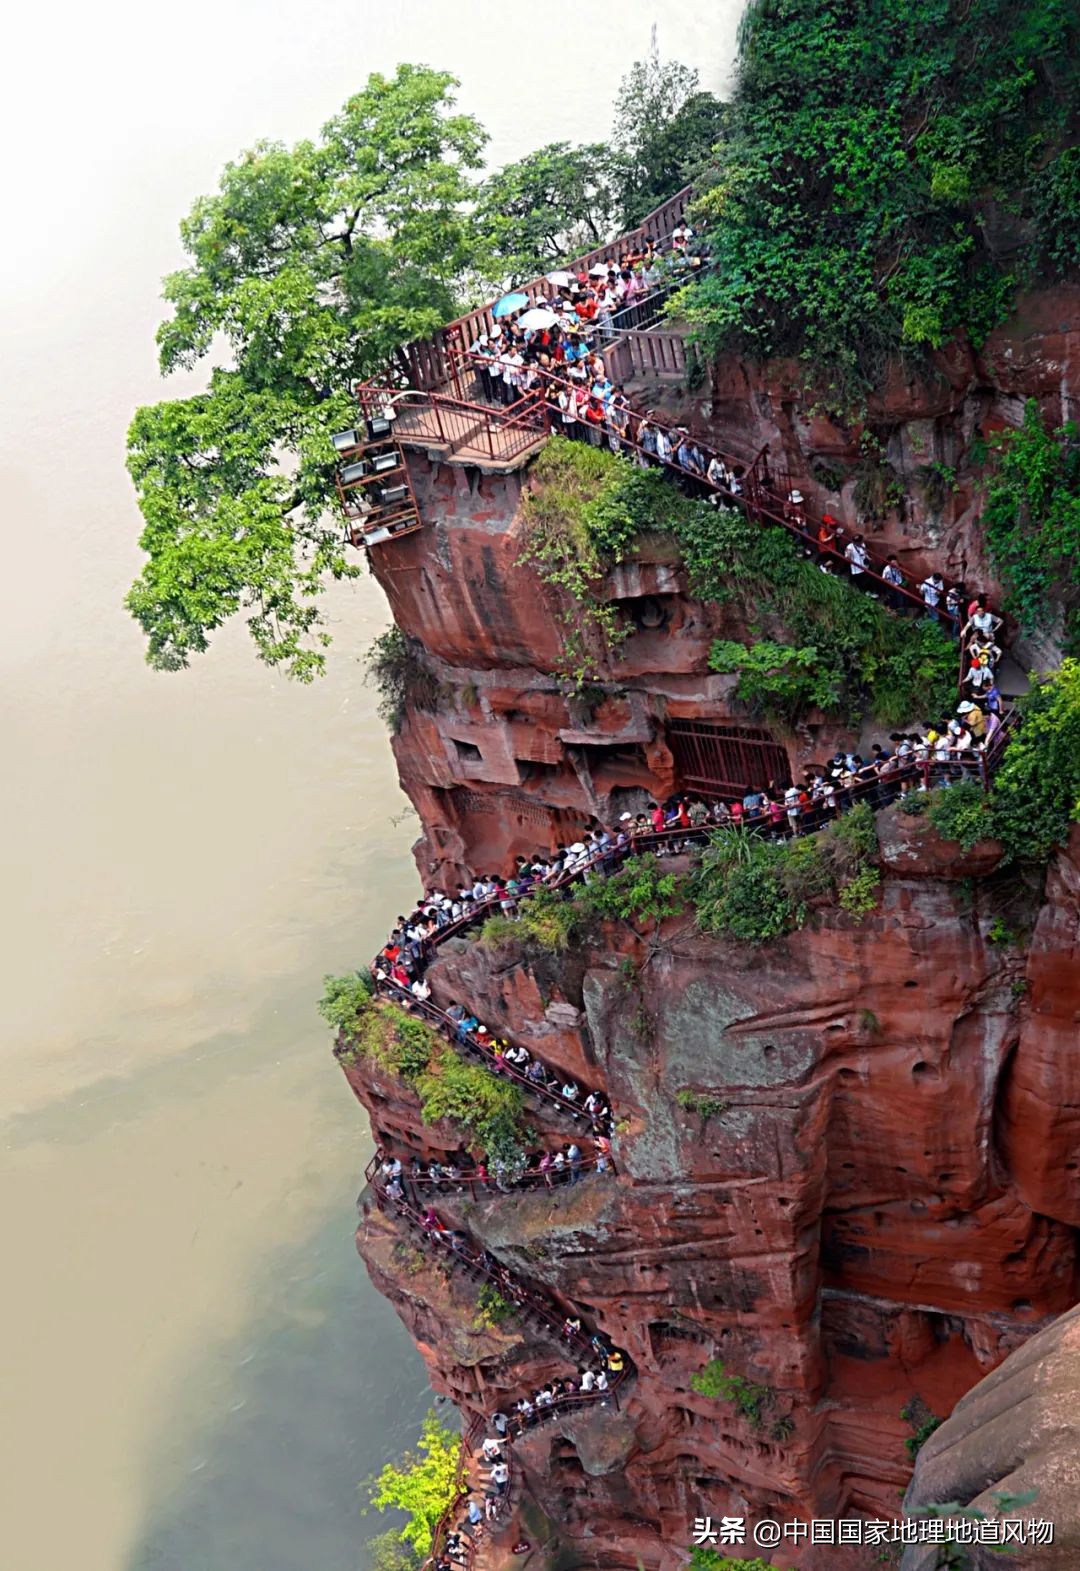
x=433, y=399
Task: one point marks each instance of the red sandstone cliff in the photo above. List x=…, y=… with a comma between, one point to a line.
x=886, y=1205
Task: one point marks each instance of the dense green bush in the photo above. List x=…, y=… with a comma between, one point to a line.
x=702, y=1559
x=754, y=889
x=481, y=1104
x=642, y=890
x=588, y=510
x=873, y=154
x=344, y=1002
x=423, y=1483
x=1032, y=522
x=961, y=812
x=1036, y=793
x=546, y=919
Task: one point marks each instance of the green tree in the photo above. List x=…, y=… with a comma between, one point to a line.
x=882, y=182
x=387, y=1552
x=549, y=207
x=423, y=1482
x=664, y=130
x=313, y=264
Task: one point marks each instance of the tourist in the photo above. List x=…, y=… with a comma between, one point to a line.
x=858, y=558
x=932, y=588
x=894, y=578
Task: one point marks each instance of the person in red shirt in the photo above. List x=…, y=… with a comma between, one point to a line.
x=657, y=815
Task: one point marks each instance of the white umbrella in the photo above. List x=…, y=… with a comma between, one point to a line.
x=599, y=270
x=537, y=318
x=560, y=278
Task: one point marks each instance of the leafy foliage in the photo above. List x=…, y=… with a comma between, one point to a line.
x=589, y=508
x=642, y=890
x=395, y=666
x=388, y=1552
x=1036, y=792
x=776, y=679
x=423, y=1483
x=492, y=1309
x=555, y=203
x=961, y=812
x=701, y=1103
x=344, y=1003
x=544, y=919
x=747, y=1396
x=314, y=263
x=665, y=128
x=889, y=172
x=858, y=896
x=486, y=1107
x=571, y=481
x=753, y=889
x=923, y=1423
x=1032, y=521
x=702, y=1559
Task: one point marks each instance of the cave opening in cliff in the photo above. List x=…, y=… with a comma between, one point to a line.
x=724, y=760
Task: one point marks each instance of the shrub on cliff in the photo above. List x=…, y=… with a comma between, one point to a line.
x=961, y=812
x=423, y=1482
x=754, y=889
x=702, y=1559
x=1036, y=793
x=484, y=1107
x=394, y=664
x=545, y=919
x=344, y=1003
x=890, y=172
x=1032, y=522
x=588, y=507
x=641, y=891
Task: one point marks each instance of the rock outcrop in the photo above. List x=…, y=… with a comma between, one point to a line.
x=879, y=1203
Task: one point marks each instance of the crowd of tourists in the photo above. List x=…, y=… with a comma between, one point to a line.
x=461, y=1172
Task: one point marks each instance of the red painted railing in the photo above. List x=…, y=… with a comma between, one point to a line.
x=424, y=1188
x=458, y=1249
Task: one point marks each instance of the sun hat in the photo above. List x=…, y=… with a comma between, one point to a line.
x=796, y=496
x=965, y=708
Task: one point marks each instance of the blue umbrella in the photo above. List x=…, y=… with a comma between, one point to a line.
x=508, y=303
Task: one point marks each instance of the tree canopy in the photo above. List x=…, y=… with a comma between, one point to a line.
x=313, y=263
x=423, y=1482
x=552, y=205
x=891, y=170
x=308, y=269
x=665, y=128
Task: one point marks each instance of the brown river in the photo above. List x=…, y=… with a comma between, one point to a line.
x=197, y=1373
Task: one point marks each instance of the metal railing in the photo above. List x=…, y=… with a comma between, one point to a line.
x=456, y=1247
x=442, y=420
x=424, y=1187
x=572, y=1107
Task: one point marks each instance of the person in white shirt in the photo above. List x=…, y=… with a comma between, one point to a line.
x=931, y=589
x=663, y=446
x=858, y=558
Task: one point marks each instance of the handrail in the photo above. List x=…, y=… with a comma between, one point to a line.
x=534, y=1178
x=439, y=1018
x=481, y=1262
x=758, y=499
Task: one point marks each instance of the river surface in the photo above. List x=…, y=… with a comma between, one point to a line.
x=197, y=1373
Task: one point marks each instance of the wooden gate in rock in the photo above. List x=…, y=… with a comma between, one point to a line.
x=725, y=760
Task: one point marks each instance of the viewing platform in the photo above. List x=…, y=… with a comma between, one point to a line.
x=432, y=398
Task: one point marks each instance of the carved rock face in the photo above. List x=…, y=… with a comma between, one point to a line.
x=880, y=1203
